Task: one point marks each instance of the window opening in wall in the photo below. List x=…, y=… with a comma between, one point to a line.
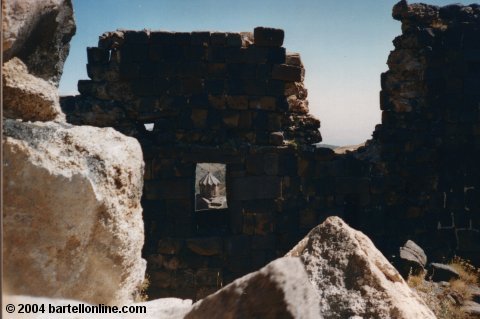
x=149, y=126
x=210, y=186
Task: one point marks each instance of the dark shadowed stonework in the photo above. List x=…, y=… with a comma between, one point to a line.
x=427, y=180
x=238, y=99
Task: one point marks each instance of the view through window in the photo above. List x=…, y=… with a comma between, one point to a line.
x=210, y=186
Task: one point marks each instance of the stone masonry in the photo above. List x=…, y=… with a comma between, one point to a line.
x=231, y=98
x=238, y=99
x=428, y=175
x=200, y=87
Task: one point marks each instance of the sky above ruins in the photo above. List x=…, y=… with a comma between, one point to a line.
x=344, y=46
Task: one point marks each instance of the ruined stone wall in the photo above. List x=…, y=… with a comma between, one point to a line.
x=238, y=99
x=200, y=87
x=427, y=181
x=231, y=98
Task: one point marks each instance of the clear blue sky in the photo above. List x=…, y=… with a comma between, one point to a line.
x=344, y=46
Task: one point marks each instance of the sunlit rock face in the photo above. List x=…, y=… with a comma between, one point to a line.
x=353, y=278
x=28, y=97
x=72, y=217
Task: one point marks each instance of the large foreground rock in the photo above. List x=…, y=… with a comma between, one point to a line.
x=166, y=308
x=353, y=278
x=72, y=216
x=38, y=32
x=279, y=290
x=27, y=97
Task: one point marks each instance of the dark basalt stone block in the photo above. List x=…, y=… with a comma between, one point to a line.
x=182, y=38
x=200, y=38
x=162, y=38
x=287, y=73
x=234, y=40
x=218, y=38
x=137, y=37
x=98, y=55
x=268, y=37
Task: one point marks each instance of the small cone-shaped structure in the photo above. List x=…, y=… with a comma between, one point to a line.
x=209, y=186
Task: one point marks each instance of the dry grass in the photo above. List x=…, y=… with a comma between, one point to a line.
x=446, y=301
x=416, y=281
x=461, y=288
x=468, y=273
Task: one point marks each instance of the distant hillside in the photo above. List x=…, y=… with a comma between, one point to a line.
x=348, y=148
x=341, y=149
x=327, y=146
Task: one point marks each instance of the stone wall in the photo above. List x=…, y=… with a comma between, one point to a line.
x=238, y=99
x=231, y=98
x=427, y=181
x=200, y=87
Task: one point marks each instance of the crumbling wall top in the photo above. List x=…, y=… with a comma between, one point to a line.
x=422, y=15
x=201, y=87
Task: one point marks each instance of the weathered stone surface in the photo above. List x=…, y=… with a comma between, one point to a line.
x=38, y=32
x=297, y=89
x=353, y=278
x=412, y=258
x=27, y=97
x=190, y=77
x=268, y=37
x=417, y=155
x=293, y=58
x=72, y=216
x=279, y=290
x=297, y=105
x=165, y=308
x=286, y=72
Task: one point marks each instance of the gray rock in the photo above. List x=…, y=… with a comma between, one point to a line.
x=412, y=259
x=72, y=219
x=441, y=272
x=268, y=37
x=353, y=278
x=38, y=32
x=411, y=251
x=279, y=290
x=28, y=97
